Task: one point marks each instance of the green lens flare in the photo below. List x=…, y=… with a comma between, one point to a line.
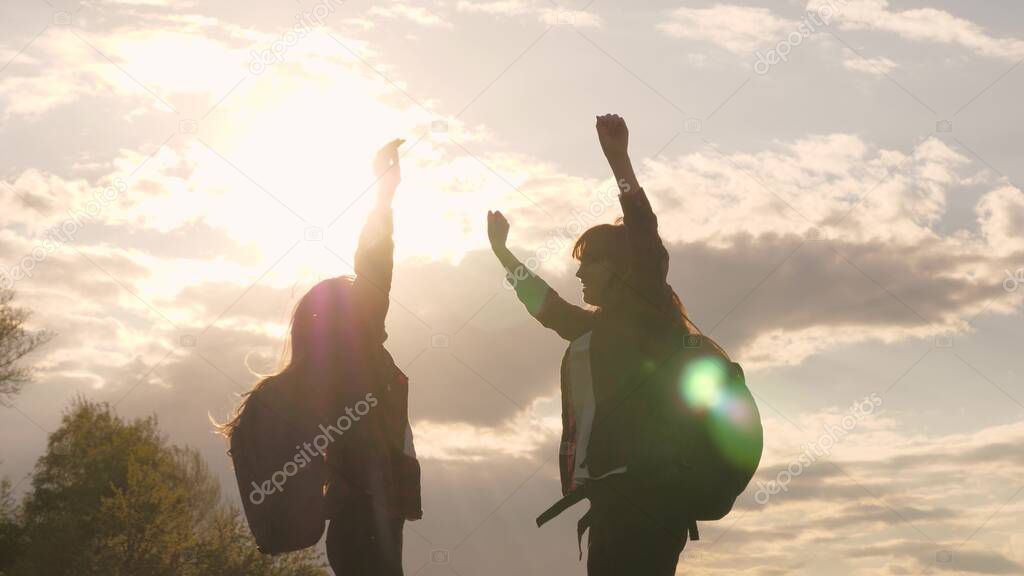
x=730, y=421
x=733, y=431
x=704, y=383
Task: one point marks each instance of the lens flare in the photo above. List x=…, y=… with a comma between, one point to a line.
x=704, y=384
x=731, y=422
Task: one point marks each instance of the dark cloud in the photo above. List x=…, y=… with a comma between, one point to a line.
x=782, y=282
x=872, y=514
x=943, y=557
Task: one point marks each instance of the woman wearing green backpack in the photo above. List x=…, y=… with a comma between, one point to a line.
x=633, y=328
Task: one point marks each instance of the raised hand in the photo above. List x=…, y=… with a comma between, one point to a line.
x=497, y=230
x=386, y=168
x=614, y=136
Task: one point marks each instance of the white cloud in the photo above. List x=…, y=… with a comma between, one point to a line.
x=1001, y=213
x=145, y=64
x=415, y=14
x=525, y=436
x=878, y=208
x=572, y=18
x=739, y=29
x=541, y=9
x=499, y=8
x=923, y=25
x=813, y=181
x=870, y=66
x=361, y=23
x=878, y=496
x=859, y=197
x=176, y=4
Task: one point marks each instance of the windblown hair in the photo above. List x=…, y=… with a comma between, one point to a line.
x=611, y=242
x=322, y=332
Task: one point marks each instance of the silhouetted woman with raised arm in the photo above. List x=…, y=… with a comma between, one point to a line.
x=623, y=269
x=342, y=378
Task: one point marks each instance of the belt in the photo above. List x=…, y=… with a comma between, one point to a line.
x=566, y=502
x=570, y=500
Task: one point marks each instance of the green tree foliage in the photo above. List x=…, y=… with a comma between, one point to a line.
x=114, y=498
x=11, y=530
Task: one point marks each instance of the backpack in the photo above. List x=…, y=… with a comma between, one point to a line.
x=699, y=440
x=280, y=473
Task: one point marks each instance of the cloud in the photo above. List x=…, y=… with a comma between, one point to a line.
x=163, y=66
x=502, y=7
x=861, y=192
x=416, y=14
x=528, y=436
x=870, y=66
x=176, y=4
x=864, y=246
x=874, y=265
x=571, y=18
x=743, y=29
x=923, y=25
x=540, y=9
x=738, y=29
x=879, y=497
x=816, y=295
x=972, y=561
x=1001, y=213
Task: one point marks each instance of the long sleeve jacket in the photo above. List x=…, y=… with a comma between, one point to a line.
x=377, y=458
x=625, y=344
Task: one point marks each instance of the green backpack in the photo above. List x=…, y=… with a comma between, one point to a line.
x=700, y=439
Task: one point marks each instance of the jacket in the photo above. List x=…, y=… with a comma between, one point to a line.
x=626, y=343
x=376, y=458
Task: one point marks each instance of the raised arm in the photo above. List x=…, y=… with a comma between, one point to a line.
x=376, y=250
x=541, y=301
x=649, y=258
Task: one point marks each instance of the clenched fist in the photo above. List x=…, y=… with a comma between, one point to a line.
x=613, y=135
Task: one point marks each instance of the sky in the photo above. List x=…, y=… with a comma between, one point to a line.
x=835, y=181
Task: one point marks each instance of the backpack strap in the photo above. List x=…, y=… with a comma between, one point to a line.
x=566, y=502
x=581, y=527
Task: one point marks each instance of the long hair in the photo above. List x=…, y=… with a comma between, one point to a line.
x=611, y=242
x=321, y=335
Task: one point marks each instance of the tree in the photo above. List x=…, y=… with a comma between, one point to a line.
x=15, y=343
x=114, y=498
x=11, y=530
